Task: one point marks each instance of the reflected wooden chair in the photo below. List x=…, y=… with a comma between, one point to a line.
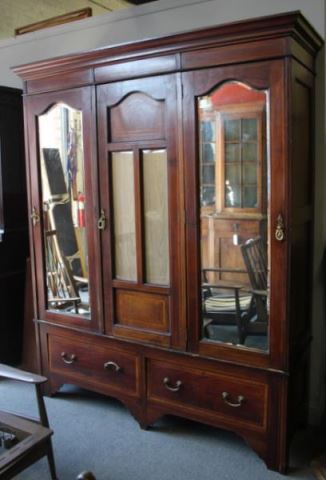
x=63, y=283
x=255, y=258
x=62, y=287
x=230, y=304
x=225, y=304
x=25, y=439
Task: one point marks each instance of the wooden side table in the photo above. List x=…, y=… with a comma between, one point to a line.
x=32, y=444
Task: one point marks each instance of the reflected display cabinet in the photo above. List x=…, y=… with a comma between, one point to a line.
x=171, y=206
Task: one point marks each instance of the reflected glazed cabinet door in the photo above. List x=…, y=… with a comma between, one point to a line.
x=64, y=207
x=140, y=183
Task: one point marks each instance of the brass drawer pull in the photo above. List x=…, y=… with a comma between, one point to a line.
x=172, y=388
x=112, y=366
x=240, y=400
x=68, y=358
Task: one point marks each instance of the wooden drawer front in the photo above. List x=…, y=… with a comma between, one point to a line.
x=202, y=392
x=95, y=364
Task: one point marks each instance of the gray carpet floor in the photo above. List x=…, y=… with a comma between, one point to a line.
x=96, y=433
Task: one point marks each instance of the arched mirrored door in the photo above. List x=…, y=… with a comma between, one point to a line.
x=63, y=205
x=233, y=199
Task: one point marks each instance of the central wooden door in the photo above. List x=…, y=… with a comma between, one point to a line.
x=140, y=185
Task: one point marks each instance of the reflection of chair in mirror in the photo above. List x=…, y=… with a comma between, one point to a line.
x=254, y=255
x=230, y=305
x=224, y=304
x=60, y=281
x=67, y=282
x=59, y=206
x=25, y=440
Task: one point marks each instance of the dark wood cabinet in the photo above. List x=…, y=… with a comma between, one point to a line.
x=171, y=207
x=13, y=224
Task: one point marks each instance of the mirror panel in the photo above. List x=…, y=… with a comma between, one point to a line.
x=60, y=132
x=233, y=196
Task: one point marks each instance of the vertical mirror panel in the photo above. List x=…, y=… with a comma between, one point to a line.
x=124, y=222
x=233, y=196
x=63, y=201
x=155, y=206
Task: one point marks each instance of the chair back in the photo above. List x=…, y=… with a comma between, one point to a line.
x=255, y=258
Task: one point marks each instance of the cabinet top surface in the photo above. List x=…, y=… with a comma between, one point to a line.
x=291, y=25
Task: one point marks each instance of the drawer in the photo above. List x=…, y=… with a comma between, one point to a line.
x=93, y=363
x=229, y=398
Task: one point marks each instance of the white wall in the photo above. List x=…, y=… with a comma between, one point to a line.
x=171, y=16
x=154, y=19
x=19, y=13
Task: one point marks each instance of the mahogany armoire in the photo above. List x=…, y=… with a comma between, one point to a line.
x=171, y=215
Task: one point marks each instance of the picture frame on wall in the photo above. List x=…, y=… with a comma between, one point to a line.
x=52, y=22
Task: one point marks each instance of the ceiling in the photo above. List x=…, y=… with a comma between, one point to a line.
x=19, y=13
